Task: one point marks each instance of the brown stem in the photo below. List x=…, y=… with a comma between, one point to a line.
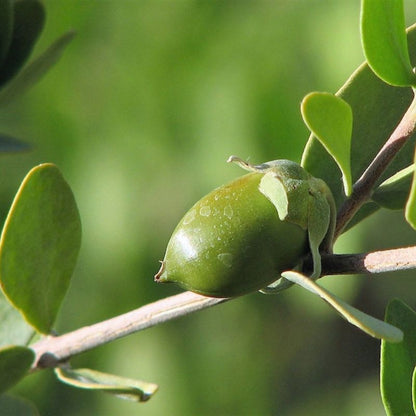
x=52, y=350
x=362, y=189
x=370, y=263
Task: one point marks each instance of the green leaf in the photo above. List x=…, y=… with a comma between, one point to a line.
x=6, y=27
x=14, y=330
x=306, y=202
x=16, y=406
x=410, y=209
x=32, y=73
x=39, y=246
x=366, y=323
x=330, y=119
x=29, y=19
x=377, y=109
x=9, y=144
x=394, y=191
x=124, y=388
x=383, y=34
x=15, y=362
x=398, y=361
x=318, y=223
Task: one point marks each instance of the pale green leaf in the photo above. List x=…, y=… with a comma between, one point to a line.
x=318, y=223
x=383, y=34
x=39, y=246
x=125, y=388
x=303, y=202
x=276, y=287
x=330, y=119
x=361, y=320
x=398, y=361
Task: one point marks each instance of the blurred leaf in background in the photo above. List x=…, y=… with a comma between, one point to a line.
x=140, y=115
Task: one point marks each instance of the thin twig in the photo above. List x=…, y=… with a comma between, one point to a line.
x=53, y=350
x=362, y=189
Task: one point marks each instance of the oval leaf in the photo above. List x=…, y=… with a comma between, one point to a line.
x=410, y=210
x=377, y=109
x=398, y=361
x=383, y=34
x=32, y=73
x=29, y=18
x=15, y=362
x=330, y=119
x=124, y=388
x=39, y=246
x=361, y=320
x=319, y=215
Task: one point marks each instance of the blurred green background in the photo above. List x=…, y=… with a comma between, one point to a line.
x=140, y=114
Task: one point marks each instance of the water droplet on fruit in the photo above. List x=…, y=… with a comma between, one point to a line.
x=226, y=259
x=228, y=211
x=205, y=211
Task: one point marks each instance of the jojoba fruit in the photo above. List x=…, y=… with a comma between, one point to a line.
x=232, y=241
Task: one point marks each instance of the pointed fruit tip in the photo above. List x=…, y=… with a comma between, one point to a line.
x=160, y=272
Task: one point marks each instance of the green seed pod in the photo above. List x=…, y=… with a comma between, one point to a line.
x=240, y=237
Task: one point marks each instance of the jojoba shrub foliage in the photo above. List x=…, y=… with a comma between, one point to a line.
x=140, y=114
